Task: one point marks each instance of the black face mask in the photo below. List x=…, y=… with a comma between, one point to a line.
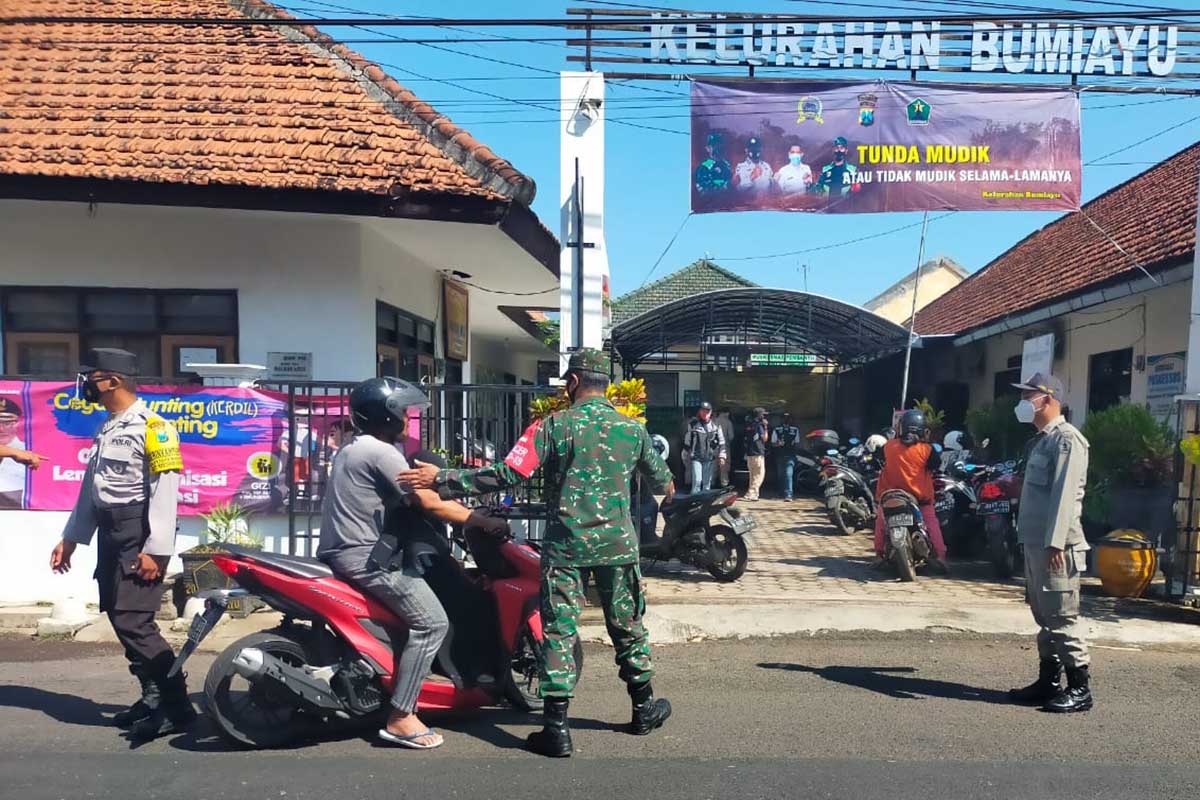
x=839, y=157
x=89, y=389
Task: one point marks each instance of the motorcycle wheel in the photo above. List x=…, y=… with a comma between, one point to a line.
x=247, y=714
x=522, y=681
x=835, y=516
x=728, y=552
x=902, y=558
x=1003, y=555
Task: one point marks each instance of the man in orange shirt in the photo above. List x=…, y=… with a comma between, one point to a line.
x=909, y=462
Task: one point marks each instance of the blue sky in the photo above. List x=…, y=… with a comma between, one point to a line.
x=648, y=172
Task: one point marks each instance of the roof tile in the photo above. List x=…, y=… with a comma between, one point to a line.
x=696, y=278
x=1152, y=216
x=261, y=107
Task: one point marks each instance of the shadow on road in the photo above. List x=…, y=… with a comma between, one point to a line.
x=850, y=567
x=67, y=708
x=897, y=683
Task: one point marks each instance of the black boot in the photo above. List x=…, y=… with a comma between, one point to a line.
x=1076, y=697
x=554, y=739
x=145, y=705
x=648, y=714
x=174, y=713
x=1045, y=688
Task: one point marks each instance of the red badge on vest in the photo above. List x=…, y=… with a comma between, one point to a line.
x=523, y=458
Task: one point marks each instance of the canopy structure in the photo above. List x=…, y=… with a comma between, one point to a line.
x=726, y=325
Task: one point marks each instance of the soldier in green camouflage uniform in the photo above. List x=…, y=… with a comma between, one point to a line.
x=587, y=455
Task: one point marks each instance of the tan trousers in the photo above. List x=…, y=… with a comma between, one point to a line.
x=758, y=470
x=1054, y=600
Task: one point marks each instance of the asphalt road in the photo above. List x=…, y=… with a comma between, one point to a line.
x=870, y=716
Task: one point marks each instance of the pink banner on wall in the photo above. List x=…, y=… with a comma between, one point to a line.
x=235, y=443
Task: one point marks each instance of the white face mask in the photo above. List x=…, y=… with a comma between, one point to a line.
x=1026, y=411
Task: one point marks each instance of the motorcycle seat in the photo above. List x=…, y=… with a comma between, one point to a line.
x=299, y=566
x=691, y=500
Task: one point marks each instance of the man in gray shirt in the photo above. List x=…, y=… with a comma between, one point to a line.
x=362, y=489
x=1051, y=532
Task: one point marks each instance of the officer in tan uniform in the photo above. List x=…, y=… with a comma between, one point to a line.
x=130, y=494
x=1055, y=550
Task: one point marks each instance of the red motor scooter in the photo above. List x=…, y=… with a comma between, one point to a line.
x=334, y=655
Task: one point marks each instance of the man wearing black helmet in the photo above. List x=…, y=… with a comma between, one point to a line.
x=909, y=462
x=714, y=173
x=361, y=492
x=703, y=446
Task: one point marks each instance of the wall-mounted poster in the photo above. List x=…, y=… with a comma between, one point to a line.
x=457, y=302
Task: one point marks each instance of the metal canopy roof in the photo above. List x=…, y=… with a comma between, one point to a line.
x=761, y=318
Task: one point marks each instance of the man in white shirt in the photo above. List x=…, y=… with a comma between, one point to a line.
x=13, y=457
x=794, y=177
x=753, y=175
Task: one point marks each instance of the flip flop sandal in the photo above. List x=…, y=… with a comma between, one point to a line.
x=410, y=741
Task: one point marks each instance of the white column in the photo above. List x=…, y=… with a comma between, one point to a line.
x=1193, y=353
x=582, y=144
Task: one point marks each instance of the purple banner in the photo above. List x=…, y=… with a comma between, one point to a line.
x=859, y=148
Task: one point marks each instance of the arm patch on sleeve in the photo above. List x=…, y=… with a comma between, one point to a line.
x=162, y=446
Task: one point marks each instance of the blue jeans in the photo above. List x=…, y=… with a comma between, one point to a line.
x=702, y=476
x=787, y=475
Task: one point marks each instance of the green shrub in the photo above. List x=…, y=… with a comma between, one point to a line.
x=936, y=420
x=997, y=422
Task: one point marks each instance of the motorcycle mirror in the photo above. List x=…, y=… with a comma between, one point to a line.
x=853, y=441
x=831, y=452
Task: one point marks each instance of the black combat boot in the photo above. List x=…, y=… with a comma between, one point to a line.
x=554, y=739
x=648, y=714
x=145, y=705
x=1076, y=697
x=174, y=713
x=1044, y=689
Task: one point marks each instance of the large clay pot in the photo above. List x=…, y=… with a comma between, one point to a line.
x=1126, y=562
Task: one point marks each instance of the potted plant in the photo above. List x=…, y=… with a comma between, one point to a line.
x=1130, y=471
x=225, y=524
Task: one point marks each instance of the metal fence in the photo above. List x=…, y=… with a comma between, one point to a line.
x=469, y=426
x=1183, y=582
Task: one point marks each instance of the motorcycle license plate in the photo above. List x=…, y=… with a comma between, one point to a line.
x=900, y=521
x=201, y=625
x=945, y=505
x=834, y=490
x=994, y=507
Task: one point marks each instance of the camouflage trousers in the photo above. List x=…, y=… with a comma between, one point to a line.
x=620, y=590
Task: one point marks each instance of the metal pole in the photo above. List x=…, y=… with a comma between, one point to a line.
x=577, y=272
x=912, y=320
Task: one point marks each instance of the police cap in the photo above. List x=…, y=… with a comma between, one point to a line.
x=588, y=359
x=9, y=409
x=840, y=142
x=110, y=359
x=1042, y=382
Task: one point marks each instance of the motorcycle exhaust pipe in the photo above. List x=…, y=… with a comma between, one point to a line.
x=254, y=665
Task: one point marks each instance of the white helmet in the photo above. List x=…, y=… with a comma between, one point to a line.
x=661, y=445
x=953, y=441
x=874, y=442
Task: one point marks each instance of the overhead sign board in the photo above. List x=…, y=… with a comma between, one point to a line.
x=867, y=147
x=1014, y=48
x=782, y=359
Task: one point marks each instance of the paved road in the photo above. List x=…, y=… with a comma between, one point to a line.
x=887, y=716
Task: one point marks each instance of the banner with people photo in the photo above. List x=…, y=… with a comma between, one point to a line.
x=855, y=148
x=236, y=443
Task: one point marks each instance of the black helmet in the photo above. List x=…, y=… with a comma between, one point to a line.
x=706, y=406
x=913, y=427
x=380, y=403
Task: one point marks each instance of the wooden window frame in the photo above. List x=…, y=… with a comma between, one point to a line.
x=12, y=341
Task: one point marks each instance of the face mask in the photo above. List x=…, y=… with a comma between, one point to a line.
x=1025, y=411
x=795, y=159
x=839, y=157
x=87, y=388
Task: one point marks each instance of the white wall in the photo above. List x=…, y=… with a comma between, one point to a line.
x=1152, y=323
x=27, y=537
x=298, y=277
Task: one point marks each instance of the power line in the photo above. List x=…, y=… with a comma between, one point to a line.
x=666, y=249
x=834, y=245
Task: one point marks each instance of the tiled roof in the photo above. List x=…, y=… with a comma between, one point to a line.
x=260, y=107
x=1152, y=216
x=697, y=278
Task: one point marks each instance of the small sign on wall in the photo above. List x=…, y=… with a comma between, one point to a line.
x=1164, y=382
x=289, y=366
x=1037, y=356
x=457, y=302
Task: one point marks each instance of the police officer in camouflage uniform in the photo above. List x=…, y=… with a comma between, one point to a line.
x=130, y=494
x=587, y=455
x=1055, y=550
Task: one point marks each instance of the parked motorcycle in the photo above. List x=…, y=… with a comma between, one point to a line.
x=849, y=496
x=906, y=541
x=333, y=657
x=702, y=529
x=955, y=501
x=998, y=506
